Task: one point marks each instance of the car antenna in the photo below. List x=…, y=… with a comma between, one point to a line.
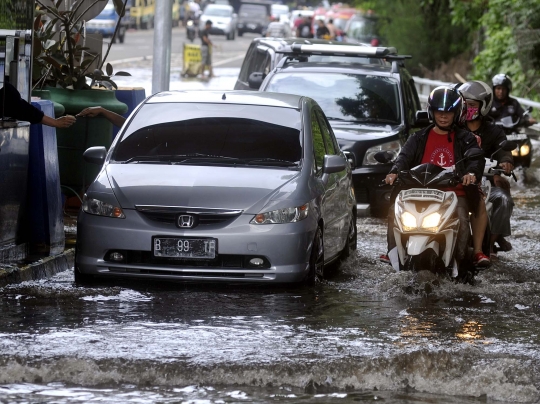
x=224, y=97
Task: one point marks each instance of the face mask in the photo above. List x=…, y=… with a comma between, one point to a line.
x=472, y=113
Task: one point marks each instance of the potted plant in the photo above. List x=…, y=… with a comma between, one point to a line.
x=73, y=76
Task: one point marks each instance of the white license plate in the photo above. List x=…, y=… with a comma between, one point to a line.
x=517, y=136
x=185, y=247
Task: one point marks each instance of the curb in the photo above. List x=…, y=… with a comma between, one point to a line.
x=44, y=268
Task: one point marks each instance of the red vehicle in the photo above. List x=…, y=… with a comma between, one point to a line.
x=340, y=16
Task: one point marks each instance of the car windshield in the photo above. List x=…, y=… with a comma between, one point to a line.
x=218, y=12
x=348, y=97
x=252, y=9
x=212, y=134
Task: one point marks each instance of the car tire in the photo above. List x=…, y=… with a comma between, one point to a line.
x=316, y=259
x=81, y=279
x=352, y=238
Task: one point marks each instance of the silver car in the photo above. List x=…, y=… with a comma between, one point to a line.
x=218, y=186
x=223, y=18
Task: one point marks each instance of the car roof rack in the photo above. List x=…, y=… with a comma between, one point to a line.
x=340, y=50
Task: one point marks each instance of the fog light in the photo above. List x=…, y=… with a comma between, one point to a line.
x=116, y=256
x=256, y=262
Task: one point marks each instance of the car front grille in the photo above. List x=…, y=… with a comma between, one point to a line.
x=205, y=216
x=237, y=275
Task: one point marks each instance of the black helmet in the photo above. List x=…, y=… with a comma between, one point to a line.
x=446, y=99
x=502, y=80
x=478, y=91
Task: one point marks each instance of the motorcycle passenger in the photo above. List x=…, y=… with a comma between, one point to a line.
x=444, y=143
x=504, y=105
x=479, y=97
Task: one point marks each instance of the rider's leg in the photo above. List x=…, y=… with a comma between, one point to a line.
x=479, y=221
x=503, y=205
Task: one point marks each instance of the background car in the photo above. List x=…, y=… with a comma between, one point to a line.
x=105, y=23
x=362, y=28
x=253, y=17
x=223, y=19
x=371, y=107
x=218, y=186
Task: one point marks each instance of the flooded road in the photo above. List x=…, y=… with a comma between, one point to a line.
x=366, y=334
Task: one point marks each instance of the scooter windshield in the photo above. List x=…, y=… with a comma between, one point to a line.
x=428, y=174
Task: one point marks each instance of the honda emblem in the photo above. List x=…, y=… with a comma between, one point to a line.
x=186, y=221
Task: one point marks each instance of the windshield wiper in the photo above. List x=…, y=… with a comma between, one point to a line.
x=148, y=159
x=177, y=158
x=280, y=162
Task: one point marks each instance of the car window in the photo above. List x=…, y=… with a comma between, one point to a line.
x=318, y=143
x=235, y=131
x=248, y=10
x=331, y=147
x=259, y=61
x=245, y=70
x=345, y=96
x=217, y=11
x=361, y=28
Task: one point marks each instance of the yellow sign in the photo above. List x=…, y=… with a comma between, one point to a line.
x=192, y=59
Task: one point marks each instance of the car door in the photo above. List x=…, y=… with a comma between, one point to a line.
x=329, y=210
x=342, y=180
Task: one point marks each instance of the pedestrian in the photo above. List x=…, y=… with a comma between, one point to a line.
x=276, y=29
x=304, y=29
x=12, y=105
x=322, y=31
x=479, y=97
x=331, y=29
x=113, y=117
x=206, y=50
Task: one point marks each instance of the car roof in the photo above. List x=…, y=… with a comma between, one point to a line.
x=268, y=99
x=284, y=43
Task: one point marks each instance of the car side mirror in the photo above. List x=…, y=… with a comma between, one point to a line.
x=333, y=164
x=95, y=155
x=255, y=80
x=350, y=158
x=421, y=119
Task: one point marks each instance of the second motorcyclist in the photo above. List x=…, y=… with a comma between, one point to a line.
x=479, y=96
x=444, y=143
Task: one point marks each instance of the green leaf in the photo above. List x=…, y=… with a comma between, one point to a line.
x=121, y=74
x=119, y=6
x=109, y=69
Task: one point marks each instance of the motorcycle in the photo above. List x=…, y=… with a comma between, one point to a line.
x=522, y=154
x=426, y=222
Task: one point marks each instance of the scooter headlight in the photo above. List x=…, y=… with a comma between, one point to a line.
x=431, y=222
x=524, y=150
x=408, y=221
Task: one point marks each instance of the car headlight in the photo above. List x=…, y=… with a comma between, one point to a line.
x=189, y=23
x=286, y=215
x=100, y=208
x=392, y=147
x=408, y=221
x=431, y=222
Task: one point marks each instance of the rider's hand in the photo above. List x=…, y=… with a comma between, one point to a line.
x=507, y=167
x=469, y=179
x=501, y=182
x=390, y=178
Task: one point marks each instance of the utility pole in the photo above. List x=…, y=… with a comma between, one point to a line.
x=161, y=65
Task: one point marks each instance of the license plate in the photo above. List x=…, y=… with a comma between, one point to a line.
x=252, y=26
x=517, y=136
x=183, y=247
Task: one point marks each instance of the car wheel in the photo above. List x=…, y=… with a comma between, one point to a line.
x=81, y=279
x=316, y=259
x=352, y=238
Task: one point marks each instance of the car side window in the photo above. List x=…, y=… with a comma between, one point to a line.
x=259, y=59
x=318, y=143
x=245, y=70
x=329, y=140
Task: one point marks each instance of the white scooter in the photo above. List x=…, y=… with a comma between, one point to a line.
x=426, y=222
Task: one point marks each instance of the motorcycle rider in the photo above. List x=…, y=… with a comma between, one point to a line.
x=444, y=143
x=479, y=97
x=503, y=104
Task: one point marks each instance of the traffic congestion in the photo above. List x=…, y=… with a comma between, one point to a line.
x=294, y=219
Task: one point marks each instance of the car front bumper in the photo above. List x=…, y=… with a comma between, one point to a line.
x=286, y=247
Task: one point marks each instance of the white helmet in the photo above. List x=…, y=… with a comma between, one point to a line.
x=478, y=91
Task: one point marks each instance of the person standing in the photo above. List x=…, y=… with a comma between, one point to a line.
x=276, y=29
x=331, y=29
x=206, y=50
x=322, y=31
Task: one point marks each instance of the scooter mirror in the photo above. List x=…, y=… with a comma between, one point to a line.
x=383, y=157
x=508, y=145
x=474, y=154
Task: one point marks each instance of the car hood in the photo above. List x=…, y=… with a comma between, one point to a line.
x=248, y=189
x=358, y=132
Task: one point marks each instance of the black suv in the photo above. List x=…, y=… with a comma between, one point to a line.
x=368, y=97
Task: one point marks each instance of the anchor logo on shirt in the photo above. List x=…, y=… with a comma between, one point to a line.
x=442, y=161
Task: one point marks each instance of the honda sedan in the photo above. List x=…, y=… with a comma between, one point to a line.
x=218, y=186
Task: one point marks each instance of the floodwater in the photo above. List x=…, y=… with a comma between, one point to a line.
x=367, y=334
